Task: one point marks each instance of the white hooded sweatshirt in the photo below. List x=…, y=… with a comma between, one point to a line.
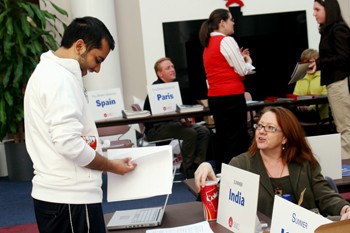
x=56, y=117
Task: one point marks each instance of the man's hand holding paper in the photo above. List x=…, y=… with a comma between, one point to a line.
x=153, y=176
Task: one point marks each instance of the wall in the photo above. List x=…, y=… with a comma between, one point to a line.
x=345, y=6
x=140, y=35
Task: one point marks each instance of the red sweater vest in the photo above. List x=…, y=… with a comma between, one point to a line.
x=222, y=78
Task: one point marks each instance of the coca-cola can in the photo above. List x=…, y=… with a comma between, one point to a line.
x=209, y=196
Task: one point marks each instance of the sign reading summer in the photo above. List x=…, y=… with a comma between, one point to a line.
x=105, y=104
x=164, y=97
x=289, y=217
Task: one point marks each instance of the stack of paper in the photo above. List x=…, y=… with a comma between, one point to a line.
x=189, y=108
x=303, y=97
x=153, y=175
x=299, y=71
x=134, y=114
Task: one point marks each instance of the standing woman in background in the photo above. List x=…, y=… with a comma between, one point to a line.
x=334, y=63
x=225, y=66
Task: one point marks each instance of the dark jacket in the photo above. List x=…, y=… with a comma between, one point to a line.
x=318, y=194
x=334, y=50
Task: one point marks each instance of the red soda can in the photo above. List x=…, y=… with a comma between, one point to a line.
x=91, y=141
x=209, y=196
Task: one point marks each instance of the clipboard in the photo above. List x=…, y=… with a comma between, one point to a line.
x=299, y=71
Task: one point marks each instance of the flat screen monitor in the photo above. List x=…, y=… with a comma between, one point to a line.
x=275, y=42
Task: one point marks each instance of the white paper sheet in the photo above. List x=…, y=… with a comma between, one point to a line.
x=201, y=227
x=153, y=175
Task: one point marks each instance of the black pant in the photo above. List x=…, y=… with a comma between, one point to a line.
x=69, y=218
x=230, y=116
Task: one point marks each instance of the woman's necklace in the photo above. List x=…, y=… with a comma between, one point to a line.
x=278, y=190
x=268, y=173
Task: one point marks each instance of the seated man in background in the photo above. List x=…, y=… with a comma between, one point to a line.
x=194, y=137
x=310, y=85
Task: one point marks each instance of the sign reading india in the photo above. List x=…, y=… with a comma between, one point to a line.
x=164, y=97
x=238, y=199
x=105, y=104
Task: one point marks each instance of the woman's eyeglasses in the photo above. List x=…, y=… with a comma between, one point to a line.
x=267, y=128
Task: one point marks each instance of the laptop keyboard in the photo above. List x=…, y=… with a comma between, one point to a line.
x=145, y=215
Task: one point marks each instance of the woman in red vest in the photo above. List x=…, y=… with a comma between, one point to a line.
x=225, y=66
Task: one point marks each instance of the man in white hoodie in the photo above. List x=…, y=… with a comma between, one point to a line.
x=67, y=179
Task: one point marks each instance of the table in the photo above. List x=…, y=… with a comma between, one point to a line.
x=286, y=102
x=257, y=106
x=183, y=214
x=153, y=118
x=343, y=184
x=177, y=215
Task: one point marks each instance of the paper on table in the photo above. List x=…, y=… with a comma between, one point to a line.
x=152, y=177
x=201, y=227
x=299, y=71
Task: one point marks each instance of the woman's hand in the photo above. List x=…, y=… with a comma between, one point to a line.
x=204, y=172
x=345, y=212
x=312, y=68
x=246, y=55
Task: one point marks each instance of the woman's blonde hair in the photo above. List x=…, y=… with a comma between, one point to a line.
x=309, y=54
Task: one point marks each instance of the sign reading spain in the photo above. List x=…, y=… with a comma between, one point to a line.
x=105, y=104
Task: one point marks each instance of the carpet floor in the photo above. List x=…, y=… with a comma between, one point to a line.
x=17, y=212
x=25, y=228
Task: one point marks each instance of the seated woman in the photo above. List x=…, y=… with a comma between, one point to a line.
x=286, y=165
x=310, y=85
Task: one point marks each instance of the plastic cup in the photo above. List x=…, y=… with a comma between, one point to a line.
x=209, y=196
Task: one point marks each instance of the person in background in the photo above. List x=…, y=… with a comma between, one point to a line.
x=282, y=157
x=310, y=85
x=61, y=135
x=195, y=137
x=334, y=64
x=225, y=66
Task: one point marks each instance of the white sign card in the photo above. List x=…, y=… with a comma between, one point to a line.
x=327, y=150
x=238, y=199
x=153, y=175
x=164, y=97
x=288, y=217
x=105, y=104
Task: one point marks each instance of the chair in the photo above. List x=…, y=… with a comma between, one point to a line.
x=141, y=136
x=330, y=180
x=321, y=126
x=142, y=140
x=251, y=116
x=112, y=131
x=209, y=120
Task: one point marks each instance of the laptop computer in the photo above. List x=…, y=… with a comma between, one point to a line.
x=137, y=218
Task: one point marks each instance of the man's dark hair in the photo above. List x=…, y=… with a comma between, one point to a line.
x=89, y=29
